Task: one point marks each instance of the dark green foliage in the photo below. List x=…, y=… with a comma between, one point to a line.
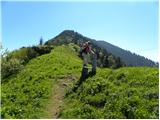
x=130, y=59
x=42, y=49
x=41, y=41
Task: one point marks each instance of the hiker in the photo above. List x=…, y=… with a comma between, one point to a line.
x=85, y=51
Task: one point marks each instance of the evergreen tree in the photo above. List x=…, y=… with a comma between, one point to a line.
x=118, y=62
x=106, y=62
x=41, y=41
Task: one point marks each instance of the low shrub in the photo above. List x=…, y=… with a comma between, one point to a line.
x=10, y=67
x=13, y=61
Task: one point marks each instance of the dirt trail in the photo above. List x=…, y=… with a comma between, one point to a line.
x=55, y=103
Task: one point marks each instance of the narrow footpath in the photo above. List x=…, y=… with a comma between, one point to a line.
x=59, y=91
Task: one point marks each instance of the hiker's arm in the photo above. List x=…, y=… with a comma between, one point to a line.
x=91, y=51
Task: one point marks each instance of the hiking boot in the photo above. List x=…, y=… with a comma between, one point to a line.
x=84, y=66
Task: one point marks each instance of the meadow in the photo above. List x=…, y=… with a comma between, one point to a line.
x=127, y=92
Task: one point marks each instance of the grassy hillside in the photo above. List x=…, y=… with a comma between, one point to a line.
x=26, y=94
x=122, y=93
x=38, y=90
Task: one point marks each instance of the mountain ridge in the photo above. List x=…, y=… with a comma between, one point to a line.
x=129, y=58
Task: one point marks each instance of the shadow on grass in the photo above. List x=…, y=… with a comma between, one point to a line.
x=84, y=75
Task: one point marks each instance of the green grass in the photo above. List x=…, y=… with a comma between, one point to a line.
x=111, y=94
x=25, y=95
x=121, y=93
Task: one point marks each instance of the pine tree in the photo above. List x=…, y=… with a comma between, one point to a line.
x=41, y=41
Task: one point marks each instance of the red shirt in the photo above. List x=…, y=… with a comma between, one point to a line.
x=87, y=48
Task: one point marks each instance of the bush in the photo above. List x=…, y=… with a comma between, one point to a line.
x=13, y=61
x=10, y=67
x=42, y=49
x=31, y=54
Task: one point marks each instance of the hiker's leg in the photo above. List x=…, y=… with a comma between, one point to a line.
x=84, y=73
x=94, y=63
x=85, y=59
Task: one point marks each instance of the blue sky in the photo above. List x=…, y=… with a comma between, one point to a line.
x=130, y=25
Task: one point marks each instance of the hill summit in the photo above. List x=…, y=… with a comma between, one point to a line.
x=127, y=57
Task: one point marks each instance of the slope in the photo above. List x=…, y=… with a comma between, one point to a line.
x=125, y=93
x=26, y=94
x=104, y=59
x=38, y=90
x=130, y=59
